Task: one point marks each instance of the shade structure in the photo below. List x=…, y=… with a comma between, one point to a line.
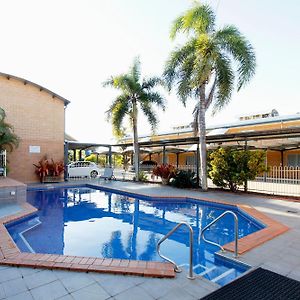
x=129, y=149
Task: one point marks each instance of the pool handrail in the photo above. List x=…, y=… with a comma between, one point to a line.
x=236, y=231
x=176, y=267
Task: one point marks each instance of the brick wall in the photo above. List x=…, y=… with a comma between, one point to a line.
x=38, y=120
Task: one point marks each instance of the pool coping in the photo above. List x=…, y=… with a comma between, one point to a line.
x=11, y=255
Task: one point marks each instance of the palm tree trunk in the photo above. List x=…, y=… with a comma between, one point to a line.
x=202, y=139
x=135, y=141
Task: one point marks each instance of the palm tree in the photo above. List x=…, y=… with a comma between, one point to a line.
x=135, y=93
x=204, y=67
x=8, y=139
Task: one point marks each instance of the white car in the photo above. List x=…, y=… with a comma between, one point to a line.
x=83, y=169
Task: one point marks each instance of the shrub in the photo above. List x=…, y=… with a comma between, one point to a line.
x=184, y=179
x=231, y=168
x=93, y=158
x=164, y=171
x=143, y=176
x=48, y=168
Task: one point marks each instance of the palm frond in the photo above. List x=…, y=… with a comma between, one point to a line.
x=176, y=59
x=150, y=114
x=224, y=81
x=135, y=70
x=176, y=27
x=233, y=42
x=152, y=82
x=8, y=139
x=117, y=113
x=153, y=98
x=199, y=19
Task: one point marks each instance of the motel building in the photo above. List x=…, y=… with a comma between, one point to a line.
x=38, y=118
x=278, y=135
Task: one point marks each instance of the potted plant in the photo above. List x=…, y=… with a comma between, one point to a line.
x=165, y=171
x=49, y=171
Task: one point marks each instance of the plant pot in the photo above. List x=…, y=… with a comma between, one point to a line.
x=53, y=179
x=164, y=181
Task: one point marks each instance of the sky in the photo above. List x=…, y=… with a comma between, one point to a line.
x=72, y=46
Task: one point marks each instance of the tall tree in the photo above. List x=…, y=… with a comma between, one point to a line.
x=207, y=66
x=135, y=93
x=8, y=139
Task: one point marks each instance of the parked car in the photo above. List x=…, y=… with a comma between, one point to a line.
x=83, y=169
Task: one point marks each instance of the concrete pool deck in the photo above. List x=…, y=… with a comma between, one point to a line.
x=281, y=254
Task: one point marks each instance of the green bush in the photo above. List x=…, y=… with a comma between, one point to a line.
x=143, y=176
x=184, y=179
x=232, y=168
x=93, y=158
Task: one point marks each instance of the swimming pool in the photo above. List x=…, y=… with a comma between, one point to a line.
x=85, y=221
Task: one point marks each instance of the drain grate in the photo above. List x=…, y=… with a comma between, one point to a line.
x=259, y=284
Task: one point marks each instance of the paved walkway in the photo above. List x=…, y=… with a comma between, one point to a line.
x=281, y=255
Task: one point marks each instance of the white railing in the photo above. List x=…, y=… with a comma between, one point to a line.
x=3, y=163
x=278, y=181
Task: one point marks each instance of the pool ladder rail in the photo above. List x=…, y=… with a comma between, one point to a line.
x=191, y=242
x=176, y=267
x=236, y=231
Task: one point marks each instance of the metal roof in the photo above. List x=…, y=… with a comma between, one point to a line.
x=285, y=134
x=41, y=88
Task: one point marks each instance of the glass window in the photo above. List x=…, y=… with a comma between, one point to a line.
x=294, y=160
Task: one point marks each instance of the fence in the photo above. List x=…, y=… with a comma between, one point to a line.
x=3, y=163
x=277, y=181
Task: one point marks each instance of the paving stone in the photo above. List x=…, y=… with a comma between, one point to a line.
x=198, y=288
x=28, y=271
x=22, y=296
x=49, y=291
x=91, y=292
x=295, y=274
x=14, y=287
x=77, y=281
x=67, y=297
x=40, y=278
x=2, y=294
x=158, y=287
x=135, y=293
x=10, y=273
x=178, y=294
x=117, y=284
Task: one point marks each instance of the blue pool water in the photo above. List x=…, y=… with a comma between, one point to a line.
x=91, y=222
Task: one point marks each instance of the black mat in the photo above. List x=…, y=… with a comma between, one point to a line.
x=260, y=284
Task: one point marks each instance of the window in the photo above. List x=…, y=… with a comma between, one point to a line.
x=190, y=160
x=293, y=160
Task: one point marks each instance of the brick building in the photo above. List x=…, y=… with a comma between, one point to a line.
x=38, y=117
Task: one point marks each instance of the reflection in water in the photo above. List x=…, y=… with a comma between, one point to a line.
x=84, y=221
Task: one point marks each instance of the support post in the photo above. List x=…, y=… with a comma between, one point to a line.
x=66, y=152
x=281, y=157
x=198, y=165
x=177, y=160
x=164, y=154
x=109, y=157
x=246, y=182
x=74, y=154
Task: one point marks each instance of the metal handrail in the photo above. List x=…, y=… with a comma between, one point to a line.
x=176, y=268
x=236, y=231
